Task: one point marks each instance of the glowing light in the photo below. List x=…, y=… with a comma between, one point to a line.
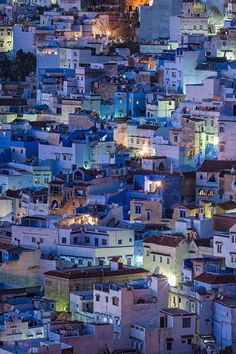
x=158, y=184
x=171, y=279
x=215, y=140
x=144, y=151
x=108, y=33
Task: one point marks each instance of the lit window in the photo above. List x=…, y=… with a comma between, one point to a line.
x=210, y=193
x=201, y=192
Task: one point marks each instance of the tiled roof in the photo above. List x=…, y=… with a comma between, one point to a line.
x=210, y=278
x=176, y=312
x=165, y=240
x=216, y=165
x=13, y=193
x=7, y=246
x=203, y=242
x=93, y=272
x=227, y=205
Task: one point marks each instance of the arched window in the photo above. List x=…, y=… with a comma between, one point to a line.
x=97, y=297
x=107, y=299
x=115, y=301
x=54, y=204
x=201, y=192
x=141, y=301
x=212, y=178
x=210, y=193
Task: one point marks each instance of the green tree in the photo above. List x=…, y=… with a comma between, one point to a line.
x=18, y=69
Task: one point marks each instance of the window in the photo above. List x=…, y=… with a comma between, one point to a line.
x=33, y=239
x=100, y=262
x=233, y=238
x=97, y=297
x=119, y=242
x=212, y=178
x=107, y=299
x=137, y=209
x=63, y=240
x=115, y=301
x=233, y=258
x=182, y=213
x=219, y=247
x=104, y=242
x=130, y=240
x=147, y=253
x=87, y=239
x=149, y=215
x=222, y=148
x=175, y=138
x=160, y=259
x=186, y=323
x=41, y=240
x=201, y=192
x=168, y=345
x=154, y=258
x=189, y=341
x=163, y=322
x=221, y=129
x=168, y=260
x=210, y=193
